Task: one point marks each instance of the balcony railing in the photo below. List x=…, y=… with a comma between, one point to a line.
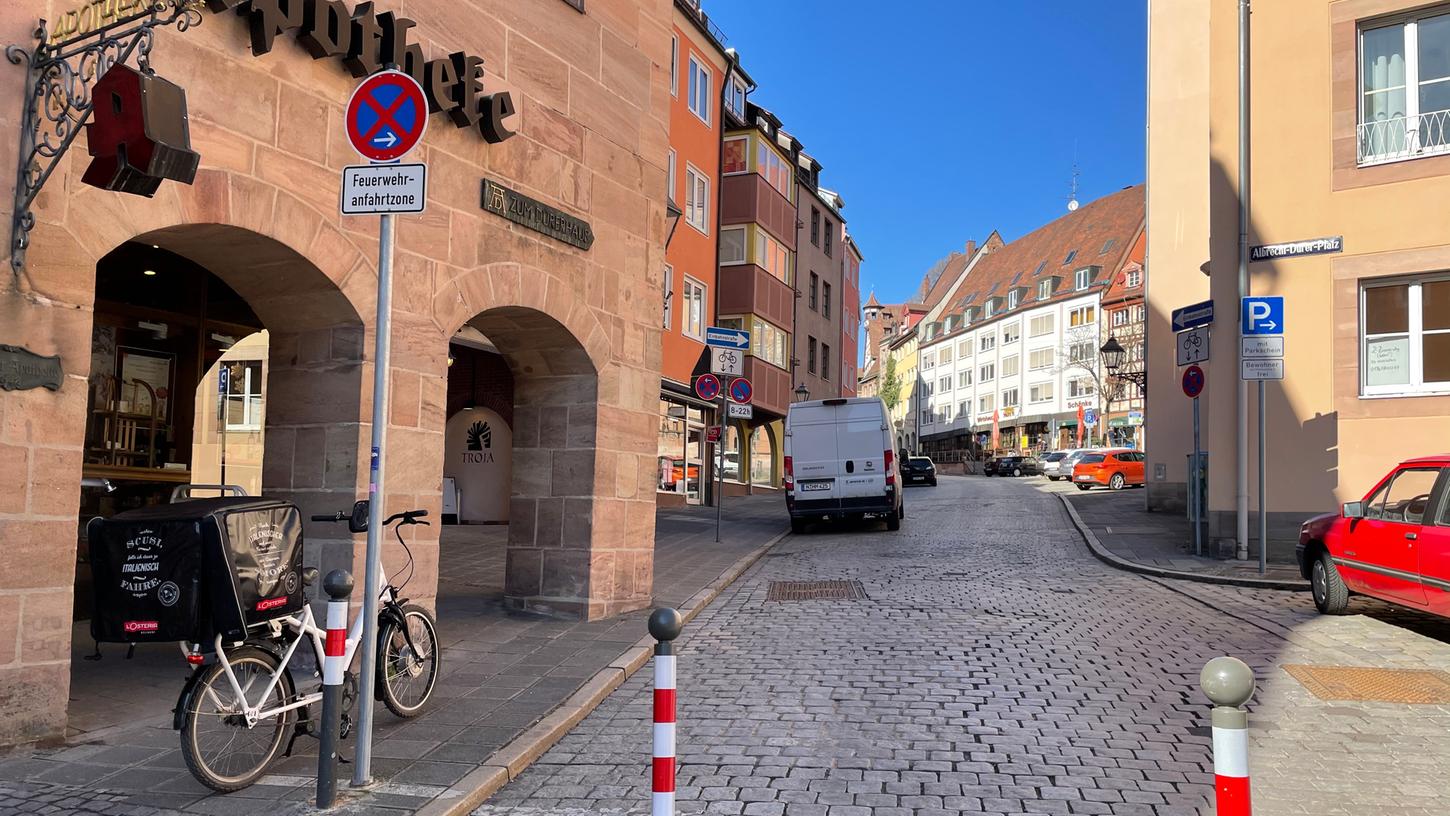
x=1404, y=137
x=715, y=30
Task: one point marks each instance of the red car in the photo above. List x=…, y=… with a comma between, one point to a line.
x=1114, y=468
x=1394, y=544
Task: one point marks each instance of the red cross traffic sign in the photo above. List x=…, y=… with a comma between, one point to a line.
x=1193, y=381
x=707, y=386
x=386, y=116
x=740, y=390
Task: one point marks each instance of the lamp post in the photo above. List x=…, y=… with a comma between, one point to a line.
x=802, y=393
x=1113, y=353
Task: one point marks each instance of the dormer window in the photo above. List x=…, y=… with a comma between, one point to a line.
x=1044, y=289
x=1082, y=278
x=1012, y=299
x=987, y=310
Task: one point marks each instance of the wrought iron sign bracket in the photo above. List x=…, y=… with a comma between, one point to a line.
x=57, y=95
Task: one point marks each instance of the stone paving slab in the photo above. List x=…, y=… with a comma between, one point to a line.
x=502, y=674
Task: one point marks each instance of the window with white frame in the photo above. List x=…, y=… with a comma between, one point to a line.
x=1135, y=278
x=928, y=361
x=1040, y=325
x=964, y=349
x=1080, y=352
x=732, y=246
x=697, y=199
x=1010, y=366
x=1082, y=316
x=674, y=65
x=1120, y=318
x=962, y=408
x=1012, y=299
x=1041, y=392
x=1404, y=87
x=735, y=98
x=987, y=342
x=1405, y=337
x=1009, y=397
x=244, y=395
x=669, y=297
x=1011, y=333
x=699, y=97
x=986, y=402
x=1081, y=278
x=926, y=416
x=946, y=412
x=945, y=355
x=987, y=373
x=1044, y=289
x=672, y=177
x=695, y=310
x=1080, y=387
x=964, y=379
x=944, y=384
x=1039, y=358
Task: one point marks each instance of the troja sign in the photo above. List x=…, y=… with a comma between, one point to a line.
x=367, y=41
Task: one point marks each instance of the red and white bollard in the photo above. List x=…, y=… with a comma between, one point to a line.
x=664, y=626
x=338, y=585
x=1229, y=683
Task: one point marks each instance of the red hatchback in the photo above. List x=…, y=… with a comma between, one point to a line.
x=1394, y=544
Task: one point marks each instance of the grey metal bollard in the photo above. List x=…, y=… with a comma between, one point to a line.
x=338, y=585
x=1229, y=683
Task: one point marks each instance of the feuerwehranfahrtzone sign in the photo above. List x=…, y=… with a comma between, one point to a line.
x=536, y=215
x=727, y=338
x=1294, y=249
x=373, y=189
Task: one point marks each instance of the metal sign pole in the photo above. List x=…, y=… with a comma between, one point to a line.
x=222, y=378
x=720, y=455
x=1263, y=484
x=1196, y=485
x=382, y=355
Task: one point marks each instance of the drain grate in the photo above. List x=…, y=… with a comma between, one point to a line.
x=1356, y=684
x=815, y=591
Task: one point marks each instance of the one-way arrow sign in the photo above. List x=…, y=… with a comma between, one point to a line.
x=726, y=338
x=1199, y=314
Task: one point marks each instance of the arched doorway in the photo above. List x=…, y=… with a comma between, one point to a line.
x=524, y=367
x=174, y=308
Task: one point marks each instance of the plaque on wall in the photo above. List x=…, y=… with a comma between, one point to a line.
x=536, y=215
x=22, y=369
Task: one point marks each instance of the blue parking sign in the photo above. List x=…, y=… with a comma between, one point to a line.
x=1262, y=315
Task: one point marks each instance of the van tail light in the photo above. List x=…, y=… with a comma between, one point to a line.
x=890, y=477
x=789, y=474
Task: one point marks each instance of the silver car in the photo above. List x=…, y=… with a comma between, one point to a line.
x=1058, y=464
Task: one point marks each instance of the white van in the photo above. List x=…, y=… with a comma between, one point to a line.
x=839, y=462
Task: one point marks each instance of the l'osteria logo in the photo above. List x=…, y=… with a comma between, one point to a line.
x=367, y=41
x=480, y=440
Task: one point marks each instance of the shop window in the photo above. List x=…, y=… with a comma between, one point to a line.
x=734, y=454
x=1404, y=85
x=760, y=457
x=700, y=97
x=1405, y=337
x=697, y=199
x=244, y=396
x=735, y=155
x=695, y=309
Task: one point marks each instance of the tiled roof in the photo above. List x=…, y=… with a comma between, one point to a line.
x=956, y=262
x=1117, y=217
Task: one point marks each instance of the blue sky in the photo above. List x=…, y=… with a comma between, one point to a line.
x=945, y=119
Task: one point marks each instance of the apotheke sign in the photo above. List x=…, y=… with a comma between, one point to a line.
x=366, y=42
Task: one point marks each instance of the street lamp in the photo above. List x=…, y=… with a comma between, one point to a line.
x=802, y=393
x=1113, y=354
x=672, y=215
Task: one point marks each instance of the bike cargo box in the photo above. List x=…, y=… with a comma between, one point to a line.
x=195, y=569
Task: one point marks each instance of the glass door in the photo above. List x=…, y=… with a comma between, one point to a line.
x=694, y=463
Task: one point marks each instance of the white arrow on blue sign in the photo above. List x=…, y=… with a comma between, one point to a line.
x=726, y=338
x=1199, y=314
x=1262, y=315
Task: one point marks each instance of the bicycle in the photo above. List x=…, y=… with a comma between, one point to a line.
x=230, y=735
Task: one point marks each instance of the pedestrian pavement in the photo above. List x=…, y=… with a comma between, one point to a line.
x=994, y=666
x=502, y=673
x=1160, y=543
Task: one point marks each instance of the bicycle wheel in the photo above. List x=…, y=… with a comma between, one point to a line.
x=408, y=672
x=220, y=750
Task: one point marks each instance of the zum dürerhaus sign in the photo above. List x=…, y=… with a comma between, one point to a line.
x=367, y=41
x=536, y=215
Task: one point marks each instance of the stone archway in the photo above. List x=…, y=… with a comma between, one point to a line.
x=581, y=529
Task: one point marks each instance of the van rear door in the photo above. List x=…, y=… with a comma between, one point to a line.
x=861, y=442
x=814, y=457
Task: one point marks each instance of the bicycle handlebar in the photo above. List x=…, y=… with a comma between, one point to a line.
x=407, y=517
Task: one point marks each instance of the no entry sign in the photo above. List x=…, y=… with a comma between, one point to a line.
x=386, y=116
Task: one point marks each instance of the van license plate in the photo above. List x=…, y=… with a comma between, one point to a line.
x=826, y=485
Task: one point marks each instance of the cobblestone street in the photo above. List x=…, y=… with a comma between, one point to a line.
x=996, y=667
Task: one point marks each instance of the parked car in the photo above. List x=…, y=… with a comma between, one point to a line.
x=839, y=462
x=1052, y=464
x=1394, y=544
x=1114, y=468
x=1064, y=468
x=918, y=469
x=1011, y=466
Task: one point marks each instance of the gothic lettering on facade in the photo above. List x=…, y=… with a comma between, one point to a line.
x=367, y=41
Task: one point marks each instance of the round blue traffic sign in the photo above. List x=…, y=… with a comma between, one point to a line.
x=1193, y=381
x=386, y=116
x=707, y=386
x=740, y=390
